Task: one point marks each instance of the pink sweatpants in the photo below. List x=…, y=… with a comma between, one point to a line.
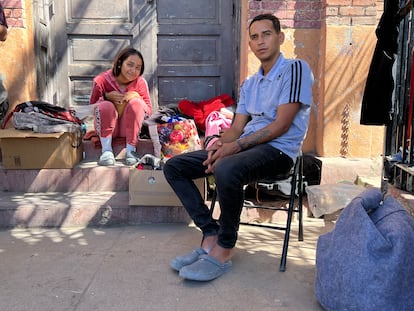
x=129, y=125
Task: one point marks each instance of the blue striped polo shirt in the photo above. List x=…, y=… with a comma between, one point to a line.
x=289, y=81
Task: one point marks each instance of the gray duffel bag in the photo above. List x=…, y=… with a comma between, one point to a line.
x=366, y=262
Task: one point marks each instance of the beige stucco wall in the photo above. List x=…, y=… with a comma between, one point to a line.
x=304, y=44
x=17, y=61
x=297, y=44
x=348, y=54
x=339, y=56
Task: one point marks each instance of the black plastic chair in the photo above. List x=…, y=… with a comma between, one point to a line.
x=296, y=193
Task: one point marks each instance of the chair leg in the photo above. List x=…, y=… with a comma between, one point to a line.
x=300, y=199
x=213, y=203
x=287, y=235
x=297, y=182
x=300, y=218
x=288, y=222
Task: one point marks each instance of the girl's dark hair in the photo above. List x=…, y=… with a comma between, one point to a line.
x=122, y=56
x=275, y=21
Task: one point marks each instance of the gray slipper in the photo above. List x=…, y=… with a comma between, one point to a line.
x=180, y=261
x=206, y=268
x=107, y=159
x=131, y=158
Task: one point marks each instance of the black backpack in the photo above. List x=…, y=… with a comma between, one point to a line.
x=312, y=174
x=312, y=170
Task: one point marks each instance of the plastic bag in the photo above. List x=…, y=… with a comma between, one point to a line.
x=329, y=198
x=175, y=137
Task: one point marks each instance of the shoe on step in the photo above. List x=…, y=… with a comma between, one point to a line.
x=106, y=159
x=131, y=158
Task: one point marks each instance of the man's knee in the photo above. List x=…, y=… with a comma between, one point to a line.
x=226, y=172
x=169, y=168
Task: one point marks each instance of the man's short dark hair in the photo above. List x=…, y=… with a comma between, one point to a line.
x=275, y=21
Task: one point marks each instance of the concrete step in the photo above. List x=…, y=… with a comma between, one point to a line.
x=86, y=176
x=71, y=209
x=90, y=195
x=92, y=153
x=105, y=208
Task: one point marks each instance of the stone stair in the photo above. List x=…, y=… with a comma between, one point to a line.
x=86, y=195
x=91, y=195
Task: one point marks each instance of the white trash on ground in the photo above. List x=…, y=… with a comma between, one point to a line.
x=329, y=198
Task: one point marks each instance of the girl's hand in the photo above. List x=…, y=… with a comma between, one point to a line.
x=130, y=95
x=115, y=97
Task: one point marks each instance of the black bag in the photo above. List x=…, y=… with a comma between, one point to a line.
x=312, y=174
x=312, y=170
x=366, y=262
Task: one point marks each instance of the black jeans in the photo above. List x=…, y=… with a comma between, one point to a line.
x=231, y=174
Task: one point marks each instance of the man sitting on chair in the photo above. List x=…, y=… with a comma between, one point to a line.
x=264, y=139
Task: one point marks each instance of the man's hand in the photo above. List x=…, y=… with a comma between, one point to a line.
x=218, y=151
x=226, y=145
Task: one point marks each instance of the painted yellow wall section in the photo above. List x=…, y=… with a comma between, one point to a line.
x=347, y=59
x=339, y=55
x=340, y=62
x=297, y=44
x=17, y=60
x=304, y=44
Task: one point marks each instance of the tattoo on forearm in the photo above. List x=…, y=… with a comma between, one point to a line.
x=255, y=139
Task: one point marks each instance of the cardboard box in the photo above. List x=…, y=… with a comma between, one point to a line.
x=150, y=188
x=29, y=150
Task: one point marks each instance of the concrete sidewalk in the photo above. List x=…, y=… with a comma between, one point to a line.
x=127, y=268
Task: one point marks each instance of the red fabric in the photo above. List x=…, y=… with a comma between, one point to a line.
x=191, y=109
x=200, y=110
x=214, y=106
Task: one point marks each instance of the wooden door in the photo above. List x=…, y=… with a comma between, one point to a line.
x=43, y=51
x=196, y=54
x=188, y=46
